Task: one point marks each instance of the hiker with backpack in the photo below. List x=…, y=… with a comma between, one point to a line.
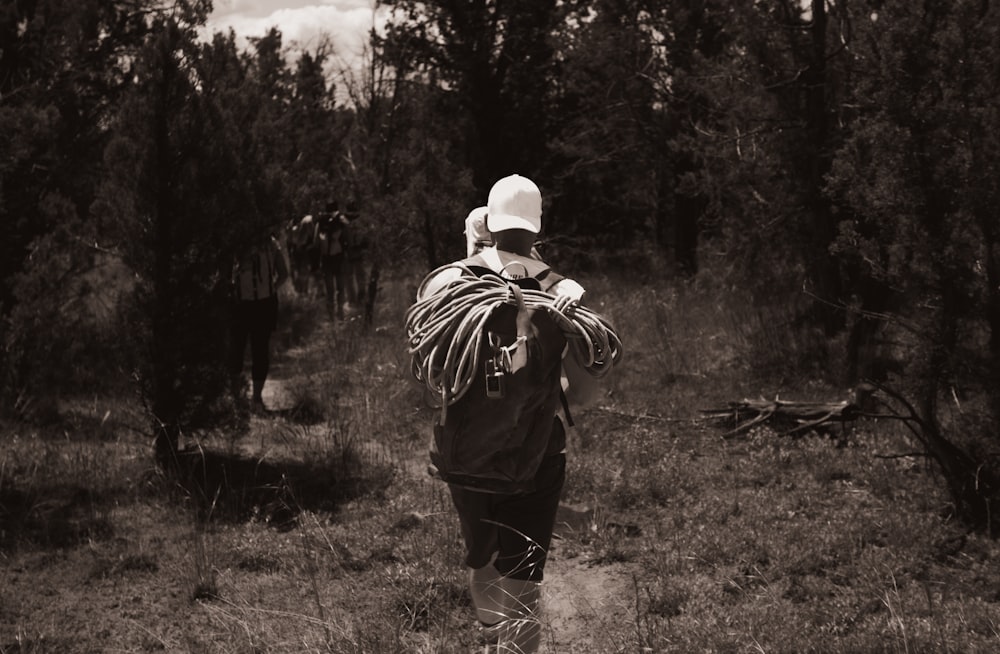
x=356, y=260
x=488, y=334
x=330, y=242
x=257, y=276
x=304, y=253
x=477, y=236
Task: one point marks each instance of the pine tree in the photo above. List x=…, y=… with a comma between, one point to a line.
x=185, y=192
x=917, y=183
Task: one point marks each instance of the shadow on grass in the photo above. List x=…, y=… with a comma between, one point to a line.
x=231, y=487
x=52, y=516
x=220, y=486
x=305, y=412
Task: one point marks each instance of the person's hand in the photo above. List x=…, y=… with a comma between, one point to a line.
x=565, y=304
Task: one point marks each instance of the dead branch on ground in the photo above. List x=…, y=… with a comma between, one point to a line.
x=748, y=413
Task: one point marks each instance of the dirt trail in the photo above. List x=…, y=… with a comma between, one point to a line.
x=580, y=597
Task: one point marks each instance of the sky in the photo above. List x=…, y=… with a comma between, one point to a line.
x=301, y=22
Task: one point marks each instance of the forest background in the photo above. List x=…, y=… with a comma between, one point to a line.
x=833, y=162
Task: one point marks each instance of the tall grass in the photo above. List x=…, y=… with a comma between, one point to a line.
x=318, y=530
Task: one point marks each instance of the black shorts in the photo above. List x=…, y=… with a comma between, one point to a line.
x=517, y=528
x=256, y=316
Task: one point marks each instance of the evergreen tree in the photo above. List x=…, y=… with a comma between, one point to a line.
x=605, y=147
x=689, y=35
x=764, y=147
x=496, y=58
x=64, y=67
x=311, y=125
x=269, y=83
x=916, y=180
x=185, y=192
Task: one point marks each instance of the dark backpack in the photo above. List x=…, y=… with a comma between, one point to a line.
x=330, y=235
x=494, y=437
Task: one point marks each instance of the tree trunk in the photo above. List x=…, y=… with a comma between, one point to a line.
x=825, y=271
x=864, y=358
x=687, y=214
x=972, y=483
x=974, y=486
x=163, y=354
x=992, y=266
x=430, y=240
x=372, y=294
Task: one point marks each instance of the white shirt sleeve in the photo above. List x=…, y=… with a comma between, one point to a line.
x=437, y=282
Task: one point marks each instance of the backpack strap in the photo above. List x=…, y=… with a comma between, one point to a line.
x=535, y=269
x=540, y=272
x=565, y=406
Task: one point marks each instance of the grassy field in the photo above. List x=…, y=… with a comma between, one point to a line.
x=318, y=529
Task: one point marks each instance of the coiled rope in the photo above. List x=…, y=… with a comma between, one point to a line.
x=445, y=331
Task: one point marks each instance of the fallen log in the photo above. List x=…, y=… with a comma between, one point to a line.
x=747, y=413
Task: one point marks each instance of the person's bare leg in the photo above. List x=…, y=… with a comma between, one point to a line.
x=487, y=594
x=521, y=631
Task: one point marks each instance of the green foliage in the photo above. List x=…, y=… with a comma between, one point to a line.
x=65, y=333
x=833, y=164
x=406, y=167
x=185, y=192
x=910, y=132
x=497, y=60
x=606, y=150
x=63, y=68
x=913, y=176
x=330, y=536
x=914, y=179
x=59, y=73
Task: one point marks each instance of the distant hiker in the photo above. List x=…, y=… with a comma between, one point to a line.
x=330, y=240
x=502, y=316
x=304, y=253
x=257, y=276
x=357, y=244
x=477, y=236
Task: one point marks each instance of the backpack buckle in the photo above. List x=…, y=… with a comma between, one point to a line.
x=495, y=386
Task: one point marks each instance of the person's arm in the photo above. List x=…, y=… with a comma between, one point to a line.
x=581, y=388
x=437, y=282
x=280, y=264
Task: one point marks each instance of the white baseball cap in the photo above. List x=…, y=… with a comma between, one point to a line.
x=514, y=203
x=476, y=234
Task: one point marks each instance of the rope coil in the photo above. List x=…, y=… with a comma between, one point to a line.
x=445, y=331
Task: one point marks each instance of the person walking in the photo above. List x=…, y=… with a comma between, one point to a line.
x=477, y=236
x=356, y=254
x=330, y=242
x=257, y=276
x=507, y=529
x=303, y=254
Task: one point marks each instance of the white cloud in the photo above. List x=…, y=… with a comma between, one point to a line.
x=302, y=24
